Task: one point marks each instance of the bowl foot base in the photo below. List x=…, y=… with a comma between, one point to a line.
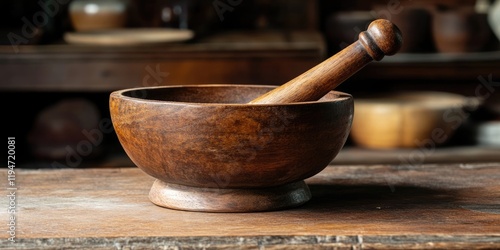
x=188, y=198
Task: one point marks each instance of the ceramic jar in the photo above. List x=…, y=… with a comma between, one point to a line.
x=460, y=29
x=88, y=15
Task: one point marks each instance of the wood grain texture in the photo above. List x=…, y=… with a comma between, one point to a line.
x=207, y=136
x=441, y=206
x=229, y=200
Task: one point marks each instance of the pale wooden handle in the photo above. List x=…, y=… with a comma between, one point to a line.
x=381, y=38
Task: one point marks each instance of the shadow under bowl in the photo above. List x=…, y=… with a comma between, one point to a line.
x=211, y=151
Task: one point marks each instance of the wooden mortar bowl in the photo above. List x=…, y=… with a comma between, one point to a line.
x=211, y=151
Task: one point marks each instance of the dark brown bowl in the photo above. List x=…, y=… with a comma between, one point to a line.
x=205, y=141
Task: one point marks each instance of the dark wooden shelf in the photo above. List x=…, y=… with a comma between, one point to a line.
x=471, y=57
x=458, y=73
x=236, y=57
x=446, y=68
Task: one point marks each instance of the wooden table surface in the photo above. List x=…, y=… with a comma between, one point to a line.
x=432, y=206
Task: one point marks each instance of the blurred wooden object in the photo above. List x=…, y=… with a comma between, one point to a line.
x=415, y=23
x=59, y=130
x=443, y=206
x=461, y=30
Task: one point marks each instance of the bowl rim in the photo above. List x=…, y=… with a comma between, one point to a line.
x=342, y=96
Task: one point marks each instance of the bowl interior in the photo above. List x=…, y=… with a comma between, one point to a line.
x=214, y=94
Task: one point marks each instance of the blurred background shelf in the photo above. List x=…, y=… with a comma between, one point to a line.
x=236, y=57
x=271, y=59
x=256, y=42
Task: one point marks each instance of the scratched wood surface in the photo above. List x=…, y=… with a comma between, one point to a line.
x=438, y=206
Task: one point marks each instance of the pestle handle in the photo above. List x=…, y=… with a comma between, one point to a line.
x=381, y=38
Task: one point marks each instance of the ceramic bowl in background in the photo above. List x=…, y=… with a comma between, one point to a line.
x=86, y=15
x=407, y=119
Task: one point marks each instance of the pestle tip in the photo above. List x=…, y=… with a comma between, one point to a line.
x=381, y=38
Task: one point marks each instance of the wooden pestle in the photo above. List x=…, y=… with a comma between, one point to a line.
x=381, y=38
